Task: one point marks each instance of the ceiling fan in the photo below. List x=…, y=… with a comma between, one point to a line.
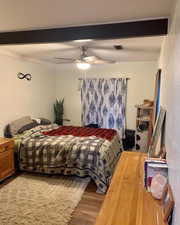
x=86, y=59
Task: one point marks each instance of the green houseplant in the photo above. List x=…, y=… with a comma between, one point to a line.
x=59, y=111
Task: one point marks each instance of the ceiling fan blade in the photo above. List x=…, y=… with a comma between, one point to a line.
x=66, y=59
x=97, y=60
x=104, y=61
x=111, y=48
x=90, y=59
x=63, y=58
x=67, y=62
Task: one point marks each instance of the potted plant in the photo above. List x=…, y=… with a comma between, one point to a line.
x=59, y=111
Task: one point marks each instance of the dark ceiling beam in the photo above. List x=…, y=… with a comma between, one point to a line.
x=103, y=31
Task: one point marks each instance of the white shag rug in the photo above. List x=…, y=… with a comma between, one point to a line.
x=40, y=200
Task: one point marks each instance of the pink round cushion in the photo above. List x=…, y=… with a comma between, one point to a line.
x=158, y=185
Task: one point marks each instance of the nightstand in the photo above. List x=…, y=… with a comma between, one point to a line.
x=6, y=158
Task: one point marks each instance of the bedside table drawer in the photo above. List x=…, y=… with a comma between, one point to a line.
x=6, y=164
x=6, y=147
x=6, y=158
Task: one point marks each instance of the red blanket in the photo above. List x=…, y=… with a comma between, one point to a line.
x=83, y=132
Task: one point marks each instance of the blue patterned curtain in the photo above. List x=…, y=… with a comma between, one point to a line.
x=104, y=102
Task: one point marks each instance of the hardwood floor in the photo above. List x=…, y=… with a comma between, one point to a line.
x=87, y=209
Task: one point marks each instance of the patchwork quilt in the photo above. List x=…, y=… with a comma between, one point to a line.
x=43, y=149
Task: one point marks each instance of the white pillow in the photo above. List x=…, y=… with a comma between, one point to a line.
x=37, y=120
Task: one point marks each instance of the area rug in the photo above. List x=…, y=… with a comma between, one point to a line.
x=40, y=200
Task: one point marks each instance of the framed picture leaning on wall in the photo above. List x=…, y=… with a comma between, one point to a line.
x=167, y=203
x=157, y=140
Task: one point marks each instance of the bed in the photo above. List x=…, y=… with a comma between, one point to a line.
x=69, y=150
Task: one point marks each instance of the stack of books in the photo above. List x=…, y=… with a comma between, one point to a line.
x=153, y=166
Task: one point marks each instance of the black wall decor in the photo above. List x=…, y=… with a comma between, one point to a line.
x=26, y=76
x=141, y=28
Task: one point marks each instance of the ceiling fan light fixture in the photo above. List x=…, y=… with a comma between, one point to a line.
x=83, y=65
x=83, y=40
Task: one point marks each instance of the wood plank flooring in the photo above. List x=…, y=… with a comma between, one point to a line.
x=87, y=209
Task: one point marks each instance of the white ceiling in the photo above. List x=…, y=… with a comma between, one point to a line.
x=134, y=49
x=23, y=15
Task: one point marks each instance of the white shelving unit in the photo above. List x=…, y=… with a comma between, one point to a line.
x=144, y=126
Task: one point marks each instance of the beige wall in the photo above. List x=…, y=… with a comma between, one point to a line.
x=170, y=99
x=140, y=86
x=21, y=97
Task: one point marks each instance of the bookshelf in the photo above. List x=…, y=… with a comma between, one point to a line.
x=144, y=126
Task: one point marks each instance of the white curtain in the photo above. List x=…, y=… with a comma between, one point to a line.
x=104, y=102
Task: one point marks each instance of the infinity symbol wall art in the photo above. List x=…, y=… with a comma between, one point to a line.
x=26, y=76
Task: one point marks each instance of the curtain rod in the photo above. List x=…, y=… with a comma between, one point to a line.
x=127, y=78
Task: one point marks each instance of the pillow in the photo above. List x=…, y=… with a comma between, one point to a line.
x=45, y=121
x=16, y=125
x=37, y=120
x=92, y=125
x=27, y=127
